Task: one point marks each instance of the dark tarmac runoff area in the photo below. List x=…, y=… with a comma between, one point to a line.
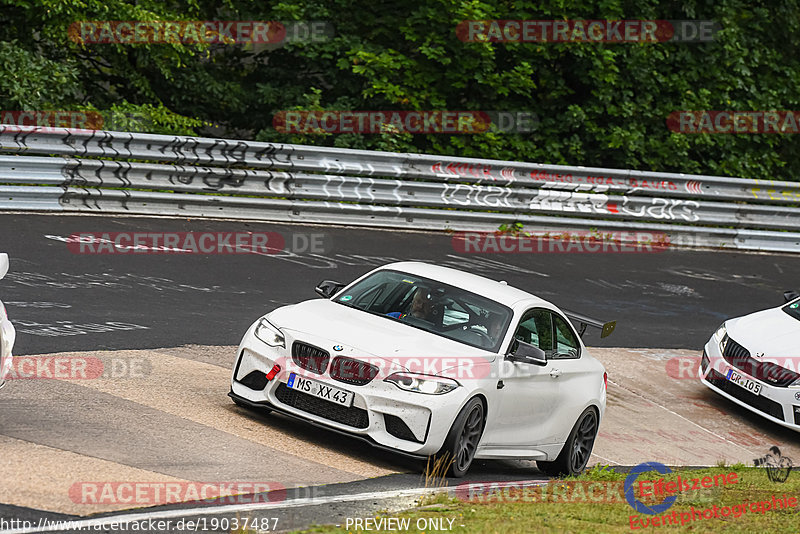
x=164, y=330
x=57, y=296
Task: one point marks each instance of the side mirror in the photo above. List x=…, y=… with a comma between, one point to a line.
x=788, y=296
x=328, y=288
x=3, y=264
x=526, y=353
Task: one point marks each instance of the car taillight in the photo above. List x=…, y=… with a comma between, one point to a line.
x=605, y=380
x=274, y=371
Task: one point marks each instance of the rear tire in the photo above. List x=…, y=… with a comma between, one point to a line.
x=462, y=441
x=576, y=451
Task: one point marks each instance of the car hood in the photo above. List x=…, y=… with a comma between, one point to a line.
x=772, y=332
x=361, y=333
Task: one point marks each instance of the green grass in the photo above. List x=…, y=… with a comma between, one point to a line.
x=566, y=507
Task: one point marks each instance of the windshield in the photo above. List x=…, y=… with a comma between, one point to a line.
x=793, y=309
x=432, y=306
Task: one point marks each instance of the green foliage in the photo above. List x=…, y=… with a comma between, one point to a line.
x=597, y=104
x=600, y=472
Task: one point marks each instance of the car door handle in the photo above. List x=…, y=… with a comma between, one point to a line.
x=555, y=373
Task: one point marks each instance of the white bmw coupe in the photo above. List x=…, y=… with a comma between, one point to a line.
x=753, y=361
x=430, y=361
x=7, y=333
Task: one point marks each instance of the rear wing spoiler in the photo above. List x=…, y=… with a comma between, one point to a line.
x=606, y=328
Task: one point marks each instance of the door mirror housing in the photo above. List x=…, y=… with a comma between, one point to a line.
x=526, y=353
x=788, y=296
x=328, y=288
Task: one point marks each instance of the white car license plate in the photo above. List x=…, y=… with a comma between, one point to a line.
x=746, y=383
x=318, y=389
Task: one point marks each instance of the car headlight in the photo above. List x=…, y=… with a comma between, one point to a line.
x=428, y=384
x=722, y=337
x=270, y=334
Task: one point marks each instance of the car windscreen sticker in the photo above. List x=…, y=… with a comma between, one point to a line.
x=795, y=305
x=408, y=281
x=346, y=297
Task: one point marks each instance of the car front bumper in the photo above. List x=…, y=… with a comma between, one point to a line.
x=7, y=337
x=780, y=405
x=410, y=423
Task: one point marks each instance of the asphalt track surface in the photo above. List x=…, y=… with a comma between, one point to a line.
x=166, y=326
x=670, y=299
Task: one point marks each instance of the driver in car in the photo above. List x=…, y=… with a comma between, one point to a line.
x=421, y=306
x=494, y=326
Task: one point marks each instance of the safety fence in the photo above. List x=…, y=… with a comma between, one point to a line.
x=51, y=169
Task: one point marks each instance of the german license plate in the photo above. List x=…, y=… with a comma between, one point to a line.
x=750, y=385
x=320, y=390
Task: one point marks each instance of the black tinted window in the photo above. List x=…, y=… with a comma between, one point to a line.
x=432, y=306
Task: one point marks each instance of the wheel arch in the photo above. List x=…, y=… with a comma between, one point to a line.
x=480, y=396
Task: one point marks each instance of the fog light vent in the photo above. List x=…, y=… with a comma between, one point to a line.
x=398, y=428
x=255, y=380
x=704, y=362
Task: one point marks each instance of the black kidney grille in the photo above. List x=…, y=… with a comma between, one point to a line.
x=768, y=372
x=351, y=371
x=735, y=351
x=309, y=357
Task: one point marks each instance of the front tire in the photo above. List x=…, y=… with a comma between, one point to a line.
x=576, y=451
x=462, y=441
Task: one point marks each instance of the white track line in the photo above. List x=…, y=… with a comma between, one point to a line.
x=684, y=418
x=605, y=459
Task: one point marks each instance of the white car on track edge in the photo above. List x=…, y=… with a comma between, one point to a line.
x=7, y=333
x=431, y=361
x=753, y=361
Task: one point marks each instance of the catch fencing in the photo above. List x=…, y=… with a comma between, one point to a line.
x=89, y=171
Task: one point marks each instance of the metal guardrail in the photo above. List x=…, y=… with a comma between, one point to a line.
x=119, y=172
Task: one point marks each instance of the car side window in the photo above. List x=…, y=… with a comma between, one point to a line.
x=567, y=345
x=536, y=328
